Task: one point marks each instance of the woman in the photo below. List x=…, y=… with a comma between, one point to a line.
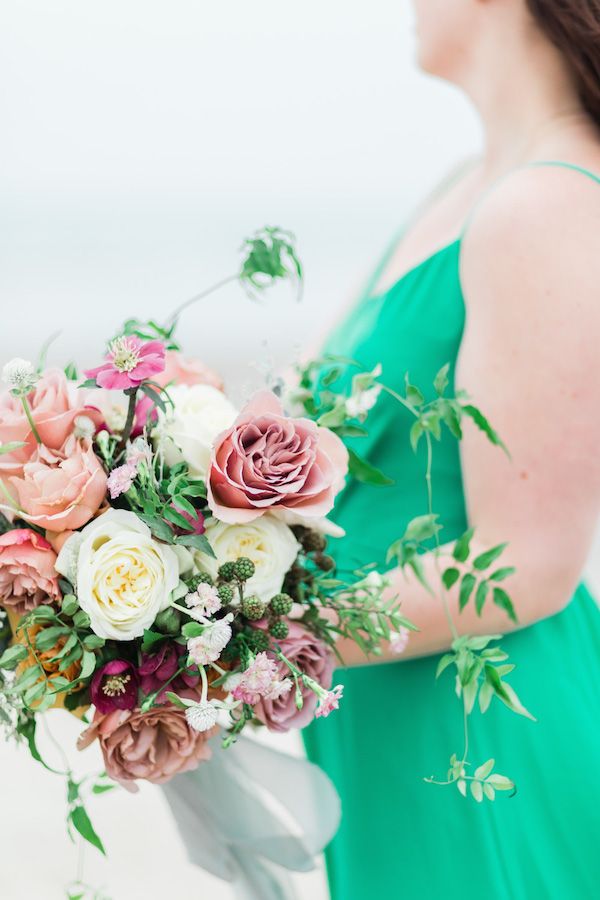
x=512, y=249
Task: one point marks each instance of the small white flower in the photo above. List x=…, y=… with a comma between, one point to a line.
x=359, y=404
x=207, y=647
x=19, y=374
x=202, y=716
x=204, y=601
x=399, y=641
x=279, y=688
x=84, y=427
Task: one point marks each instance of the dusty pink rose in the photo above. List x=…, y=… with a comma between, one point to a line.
x=129, y=361
x=269, y=462
x=27, y=574
x=179, y=370
x=61, y=489
x=155, y=745
x=312, y=657
x=55, y=404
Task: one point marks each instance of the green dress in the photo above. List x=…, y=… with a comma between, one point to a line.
x=401, y=837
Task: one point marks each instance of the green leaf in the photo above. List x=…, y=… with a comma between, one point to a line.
x=150, y=639
x=450, y=577
x=81, y=619
x=88, y=665
x=489, y=791
x=482, y=423
x=12, y=656
x=181, y=503
x=477, y=791
x=27, y=728
x=484, y=770
x=103, y=788
x=93, y=642
x=175, y=700
x=35, y=692
x=461, y=784
x=351, y=431
x=480, y=596
x=422, y=528
x=41, y=613
x=485, y=696
x=364, y=472
x=501, y=574
x=414, y=395
x=450, y=413
x=81, y=823
x=192, y=629
x=154, y=396
x=197, y=541
x=502, y=600
x=462, y=546
x=501, y=782
x=158, y=527
x=440, y=382
x=47, y=638
x=486, y=559
x=446, y=660
x=176, y=518
x=417, y=566
x=416, y=433
x=466, y=589
x=69, y=605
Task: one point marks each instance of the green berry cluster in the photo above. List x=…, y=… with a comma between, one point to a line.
x=281, y=604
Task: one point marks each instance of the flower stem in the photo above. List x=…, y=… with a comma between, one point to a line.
x=27, y=409
x=129, y=421
x=172, y=320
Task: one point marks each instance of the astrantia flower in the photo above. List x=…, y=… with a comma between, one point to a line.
x=261, y=679
x=330, y=701
x=204, y=601
x=129, y=362
x=19, y=375
x=114, y=686
x=202, y=716
x=208, y=646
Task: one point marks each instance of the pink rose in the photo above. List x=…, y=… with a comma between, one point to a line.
x=55, y=404
x=155, y=745
x=269, y=462
x=179, y=370
x=312, y=657
x=27, y=574
x=61, y=489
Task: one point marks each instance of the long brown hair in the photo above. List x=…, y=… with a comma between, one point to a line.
x=574, y=27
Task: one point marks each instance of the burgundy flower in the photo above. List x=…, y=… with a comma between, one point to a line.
x=158, y=667
x=114, y=686
x=196, y=522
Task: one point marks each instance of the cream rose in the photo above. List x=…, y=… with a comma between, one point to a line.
x=200, y=412
x=267, y=541
x=124, y=577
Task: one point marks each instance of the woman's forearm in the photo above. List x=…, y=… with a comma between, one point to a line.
x=536, y=594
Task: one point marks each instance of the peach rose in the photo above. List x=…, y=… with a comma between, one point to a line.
x=55, y=404
x=270, y=462
x=61, y=489
x=155, y=745
x=27, y=574
x=179, y=370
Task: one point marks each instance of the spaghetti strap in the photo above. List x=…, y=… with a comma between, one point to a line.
x=536, y=163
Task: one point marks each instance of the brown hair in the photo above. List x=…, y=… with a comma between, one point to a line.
x=574, y=27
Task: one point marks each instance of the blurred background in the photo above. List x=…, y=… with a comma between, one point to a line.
x=142, y=141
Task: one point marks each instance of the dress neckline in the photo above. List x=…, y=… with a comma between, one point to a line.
x=432, y=257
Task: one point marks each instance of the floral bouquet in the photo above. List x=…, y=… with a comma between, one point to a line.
x=163, y=556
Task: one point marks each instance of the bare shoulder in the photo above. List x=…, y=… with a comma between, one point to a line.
x=536, y=235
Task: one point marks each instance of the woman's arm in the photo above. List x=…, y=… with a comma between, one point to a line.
x=530, y=359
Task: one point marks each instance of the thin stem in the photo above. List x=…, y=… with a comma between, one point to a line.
x=129, y=421
x=177, y=312
x=436, y=552
x=400, y=399
x=13, y=504
x=27, y=409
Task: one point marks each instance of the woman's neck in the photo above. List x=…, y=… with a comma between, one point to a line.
x=533, y=112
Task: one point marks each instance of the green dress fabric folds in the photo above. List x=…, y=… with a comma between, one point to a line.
x=401, y=837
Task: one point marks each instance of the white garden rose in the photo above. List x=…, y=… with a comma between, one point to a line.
x=187, y=430
x=267, y=541
x=124, y=577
